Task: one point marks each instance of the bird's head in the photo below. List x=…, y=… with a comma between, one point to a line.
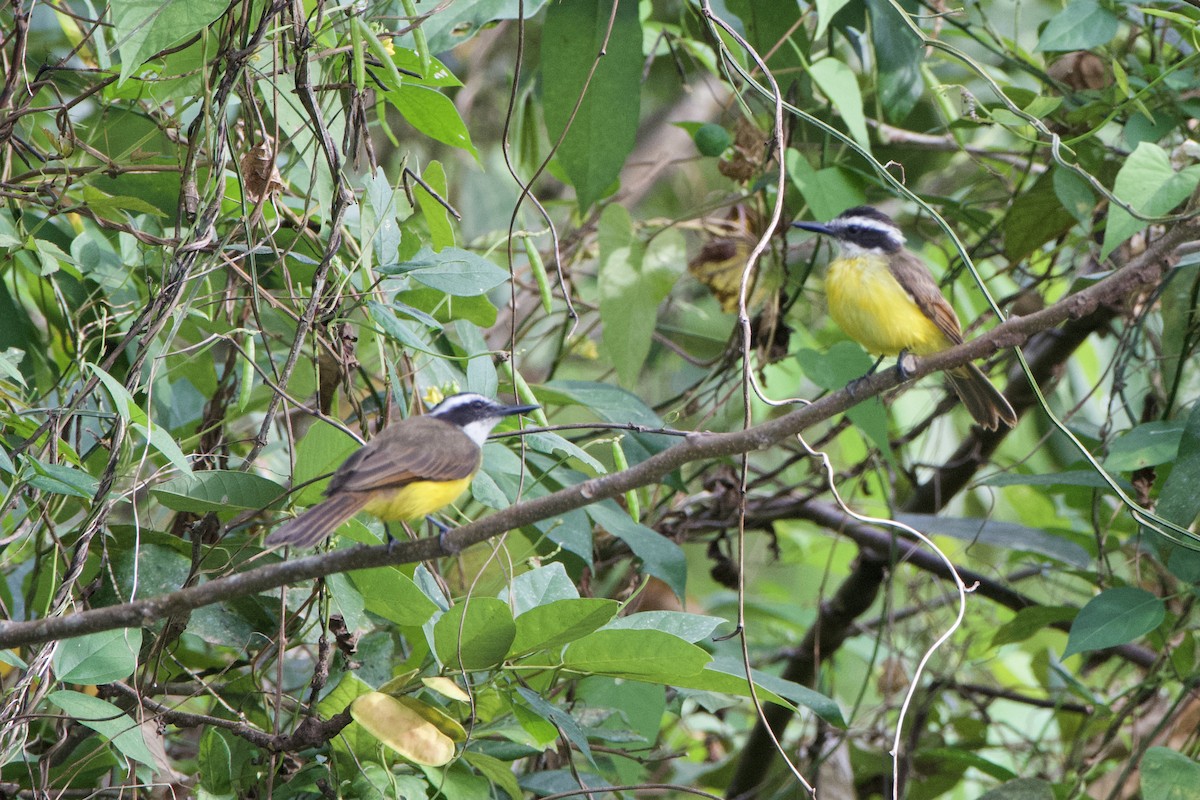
x=860, y=231
x=475, y=414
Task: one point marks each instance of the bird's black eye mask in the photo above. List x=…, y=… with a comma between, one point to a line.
x=869, y=238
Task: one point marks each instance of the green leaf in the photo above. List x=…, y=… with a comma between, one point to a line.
x=828, y=191
x=840, y=86
x=603, y=129
x=540, y=586
x=565, y=723
x=1113, y=617
x=452, y=270
x=497, y=771
x=474, y=634
x=1070, y=477
x=728, y=676
x=215, y=760
x=634, y=279
x=899, y=53
x=463, y=19
x=110, y=205
x=1021, y=789
x=403, y=331
x=1028, y=621
x=441, y=229
x=826, y=11
x=689, y=627
x=1009, y=535
x=1036, y=217
x=1179, y=501
x=551, y=443
x=838, y=367
x=1082, y=25
x=476, y=310
x=97, y=658
x=1149, y=184
x=1074, y=194
x=144, y=27
x=639, y=655
x=610, y=403
x=1146, y=445
x=322, y=449
x=1168, y=775
x=433, y=114
x=107, y=720
x=391, y=594
x=660, y=556
x=219, y=490
x=62, y=479
x=550, y=626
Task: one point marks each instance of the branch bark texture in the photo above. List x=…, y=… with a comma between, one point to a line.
x=1143, y=271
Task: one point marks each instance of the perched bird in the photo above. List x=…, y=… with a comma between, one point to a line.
x=883, y=296
x=411, y=469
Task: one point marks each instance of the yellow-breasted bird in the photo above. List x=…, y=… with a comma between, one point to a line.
x=411, y=469
x=883, y=296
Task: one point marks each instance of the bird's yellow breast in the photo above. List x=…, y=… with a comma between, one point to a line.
x=870, y=305
x=416, y=499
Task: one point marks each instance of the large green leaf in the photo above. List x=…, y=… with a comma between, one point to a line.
x=634, y=279
x=433, y=114
x=451, y=270
x=108, y=721
x=391, y=594
x=640, y=655
x=1149, y=184
x=476, y=633
x=1146, y=445
x=560, y=622
x=1113, y=617
x=98, y=657
x=660, y=556
x=840, y=86
x=144, y=27
x=1082, y=25
x=1168, y=775
x=575, y=37
x=899, y=53
x=1009, y=535
x=220, y=491
x=457, y=22
x=540, y=586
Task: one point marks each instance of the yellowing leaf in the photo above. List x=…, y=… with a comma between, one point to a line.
x=402, y=728
x=446, y=688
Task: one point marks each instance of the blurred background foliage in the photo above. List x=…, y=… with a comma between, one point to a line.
x=238, y=238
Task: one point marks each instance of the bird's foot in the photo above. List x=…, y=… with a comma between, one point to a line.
x=852, y=386
x=905, y=365
x=447, y=546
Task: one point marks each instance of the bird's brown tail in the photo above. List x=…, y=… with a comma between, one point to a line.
x=983, y=400
x=316, y=523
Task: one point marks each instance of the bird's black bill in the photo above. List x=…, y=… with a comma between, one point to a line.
x=510, y=410
x=815, y=227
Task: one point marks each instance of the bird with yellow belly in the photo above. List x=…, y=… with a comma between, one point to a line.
x=883, y=296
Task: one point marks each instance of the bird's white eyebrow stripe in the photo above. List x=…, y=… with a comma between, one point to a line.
x=892, y=233
x=867, y=222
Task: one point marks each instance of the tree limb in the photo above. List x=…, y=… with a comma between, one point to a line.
x=1143, y=271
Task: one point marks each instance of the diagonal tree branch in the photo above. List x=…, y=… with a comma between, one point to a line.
x=1145, y=270
x=1046, y=353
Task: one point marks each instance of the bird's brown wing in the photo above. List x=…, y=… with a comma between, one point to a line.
x=415, y=449
x=911, y=272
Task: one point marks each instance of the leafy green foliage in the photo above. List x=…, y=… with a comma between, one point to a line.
x=239, y=241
